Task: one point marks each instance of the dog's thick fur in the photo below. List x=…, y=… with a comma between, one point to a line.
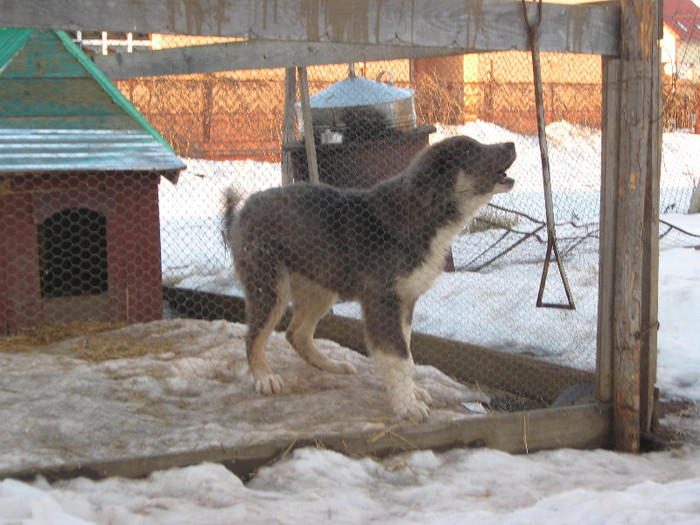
x=383, y=246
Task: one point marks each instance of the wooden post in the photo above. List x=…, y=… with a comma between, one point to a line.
x=695, y=200
x=608, y=198
x=207, y=111
x=308, y=126
x=650, y=261
x=629, y=216
x=288, y=126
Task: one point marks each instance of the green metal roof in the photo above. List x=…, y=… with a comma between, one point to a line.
x=31, y=150
x=48, y=84
x=11, y=41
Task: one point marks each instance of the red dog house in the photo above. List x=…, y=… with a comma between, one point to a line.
x=79, y=175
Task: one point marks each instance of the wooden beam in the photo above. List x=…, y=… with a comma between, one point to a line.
x=311, y=161
x=469, y=25
x=695, y=201
x=584, y=426
x=472, y=364
x=610, y=154
x=253, y=54
x=650, y=226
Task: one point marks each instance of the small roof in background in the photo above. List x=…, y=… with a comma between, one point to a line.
x=683, y=18
x=58, y=111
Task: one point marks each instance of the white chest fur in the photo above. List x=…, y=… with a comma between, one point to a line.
x=421, y=279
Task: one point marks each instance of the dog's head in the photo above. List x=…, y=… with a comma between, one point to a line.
x=462, y=165
x=486, y=164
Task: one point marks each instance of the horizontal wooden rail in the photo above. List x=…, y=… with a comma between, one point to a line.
x=583, y=426
x=466, y=25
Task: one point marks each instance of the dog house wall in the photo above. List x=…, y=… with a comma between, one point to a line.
x=129, y=203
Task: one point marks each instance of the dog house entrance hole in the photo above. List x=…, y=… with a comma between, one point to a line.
x=73, y=253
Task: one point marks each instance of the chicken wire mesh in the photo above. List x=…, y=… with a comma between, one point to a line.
x=80, y=245
x=227, y=128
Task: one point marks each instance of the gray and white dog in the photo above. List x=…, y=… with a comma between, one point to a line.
x=382, y=246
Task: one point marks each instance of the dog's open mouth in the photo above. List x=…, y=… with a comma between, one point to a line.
x=503, y=183
x=504, y=179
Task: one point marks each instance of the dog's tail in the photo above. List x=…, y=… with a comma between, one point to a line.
x=232, y=200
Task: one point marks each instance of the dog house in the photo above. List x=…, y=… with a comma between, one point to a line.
x=79, y=175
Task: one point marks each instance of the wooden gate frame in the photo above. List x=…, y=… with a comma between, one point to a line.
x=298, y=33
x=629, y=248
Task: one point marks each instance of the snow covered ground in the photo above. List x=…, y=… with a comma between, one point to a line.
x=454, y=487
x=192, y=388
x=449, y=488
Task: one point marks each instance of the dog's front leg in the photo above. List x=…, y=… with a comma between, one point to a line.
x=387, y=324
x=397, y=373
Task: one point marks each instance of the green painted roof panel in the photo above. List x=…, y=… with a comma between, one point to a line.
x=42, y=150
x=107, y=85
x=43, y=58
x=11, y=41
x=58, y=109
x=29, y=97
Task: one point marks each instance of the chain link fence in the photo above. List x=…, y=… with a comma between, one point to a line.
x=227, y=129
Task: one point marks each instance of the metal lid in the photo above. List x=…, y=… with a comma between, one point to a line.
x=358, y=91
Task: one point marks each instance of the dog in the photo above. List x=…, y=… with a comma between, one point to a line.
x=383, y=246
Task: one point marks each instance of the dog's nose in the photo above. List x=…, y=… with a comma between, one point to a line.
x=510, y=149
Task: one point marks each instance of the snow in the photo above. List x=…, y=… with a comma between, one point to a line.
x=171, y=399
x=197, y=394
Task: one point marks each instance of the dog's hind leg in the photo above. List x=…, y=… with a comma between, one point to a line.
x=311, y=303
x=387, y=332
x=265, y=306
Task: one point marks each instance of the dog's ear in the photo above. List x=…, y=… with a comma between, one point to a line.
x=434, y=171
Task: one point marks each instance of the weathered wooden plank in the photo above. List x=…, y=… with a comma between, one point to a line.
x=584, y=426
x=471, y=364
x=254, y=54
x=467, y=24
x=639, y=109
x=608, y=198
x=288, y=123
x=309, y=142
x=695, y=201
x=650, y=255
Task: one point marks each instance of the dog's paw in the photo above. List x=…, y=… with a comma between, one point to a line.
x=343, y=367
x=411, y=403
x=414, y=411
x=269, y=384
x=422, y=395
